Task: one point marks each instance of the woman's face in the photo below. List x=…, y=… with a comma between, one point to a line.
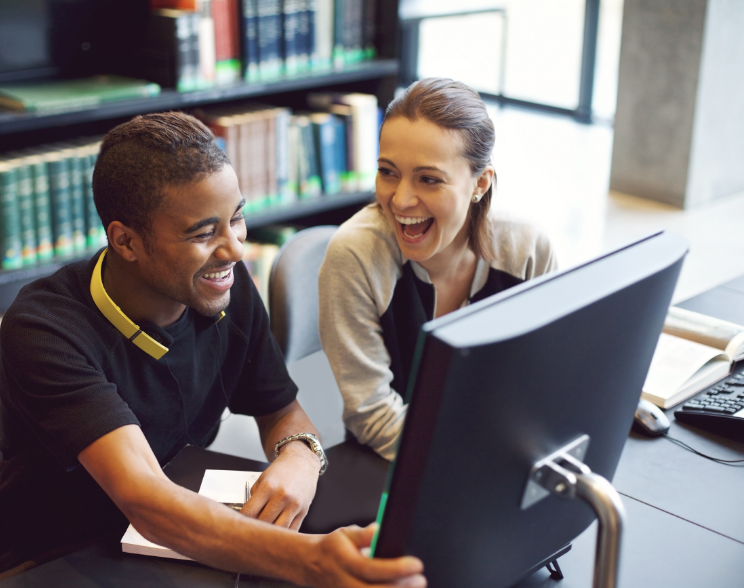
x=425, y=187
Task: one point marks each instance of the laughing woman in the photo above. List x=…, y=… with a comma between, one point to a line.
x=426, y=248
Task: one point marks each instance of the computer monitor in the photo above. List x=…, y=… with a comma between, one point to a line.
x=502, y=384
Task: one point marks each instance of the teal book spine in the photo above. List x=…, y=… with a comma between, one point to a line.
x=77, y=163
x=10, y=235
x=339, y=54
x=26, y=213
x=95, y=235
x=324, y=133
x=314, y=186
x=42, y=208
x=308, y=183
x=339, y=124
x=59, y=194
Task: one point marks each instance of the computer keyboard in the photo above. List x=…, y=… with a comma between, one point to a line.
x=718, y=409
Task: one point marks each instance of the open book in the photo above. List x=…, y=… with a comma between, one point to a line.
x=226, y=486
x=693, y=352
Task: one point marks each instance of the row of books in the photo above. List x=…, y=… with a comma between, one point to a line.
x=46, y=196
x=193, y=44
x=46, y=203
x=280, y=157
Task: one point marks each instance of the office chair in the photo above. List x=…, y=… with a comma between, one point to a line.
x=293, y=292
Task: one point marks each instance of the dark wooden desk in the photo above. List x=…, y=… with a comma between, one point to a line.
x=349, y=493
x=685, y=516
x=661, y=548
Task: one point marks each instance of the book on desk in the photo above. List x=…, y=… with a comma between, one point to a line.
x=694, y=351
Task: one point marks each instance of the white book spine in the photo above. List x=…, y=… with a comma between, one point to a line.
x=323, y=55
x=364, y=111
x=207, y=54
x=283, y=156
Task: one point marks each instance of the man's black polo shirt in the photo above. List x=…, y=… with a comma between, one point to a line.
x=68, y=377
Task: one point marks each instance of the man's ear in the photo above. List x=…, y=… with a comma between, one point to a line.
x=125, y=241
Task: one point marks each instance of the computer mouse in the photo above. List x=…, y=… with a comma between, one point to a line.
x=650, y=420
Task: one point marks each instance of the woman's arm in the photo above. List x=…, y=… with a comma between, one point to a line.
x=350, y=332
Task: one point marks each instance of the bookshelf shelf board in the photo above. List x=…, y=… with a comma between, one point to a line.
x=16, y=122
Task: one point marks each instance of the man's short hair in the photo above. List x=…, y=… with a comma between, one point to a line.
x=142, y=157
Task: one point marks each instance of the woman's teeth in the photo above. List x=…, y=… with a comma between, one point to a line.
x=414, y=226
x=217, y=275
x=411, y=220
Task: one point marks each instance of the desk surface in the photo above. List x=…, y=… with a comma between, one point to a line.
x=660, y=548
x=685, y=524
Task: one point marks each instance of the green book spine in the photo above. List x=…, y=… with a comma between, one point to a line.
x=94, y=228
x=59, y=192
x=26, y=213
x=102, y=236
x=313, y=186
x=77, y=199
x=42, y=208
x=10, y=235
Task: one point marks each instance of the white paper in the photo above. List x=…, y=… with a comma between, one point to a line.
x=227, y=485
x=219, y=485
x=133, y=542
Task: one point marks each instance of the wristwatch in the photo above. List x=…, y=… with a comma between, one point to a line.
x=312, y=442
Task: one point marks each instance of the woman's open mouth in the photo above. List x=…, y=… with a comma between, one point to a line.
x=414, y=228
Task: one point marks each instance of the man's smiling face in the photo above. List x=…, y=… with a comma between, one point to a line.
x=195, y=239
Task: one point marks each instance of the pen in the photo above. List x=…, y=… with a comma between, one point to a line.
x=247, y=496
x=237, y=505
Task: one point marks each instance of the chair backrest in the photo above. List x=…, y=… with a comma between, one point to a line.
x=293, y=292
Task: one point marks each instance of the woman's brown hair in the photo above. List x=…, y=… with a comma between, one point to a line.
x=453, y=105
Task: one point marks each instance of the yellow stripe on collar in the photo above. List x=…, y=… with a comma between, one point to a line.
x=117, y=317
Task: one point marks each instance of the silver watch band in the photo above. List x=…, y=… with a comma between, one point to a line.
x=312, y=442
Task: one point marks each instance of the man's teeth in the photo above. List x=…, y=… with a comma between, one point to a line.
x=217, y=275
x=411, y=220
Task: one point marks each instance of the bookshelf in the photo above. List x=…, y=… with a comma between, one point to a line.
x=21, y=130
x=13, y=123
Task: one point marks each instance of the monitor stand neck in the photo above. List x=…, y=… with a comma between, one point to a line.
x=563, y=474
x=604, y=499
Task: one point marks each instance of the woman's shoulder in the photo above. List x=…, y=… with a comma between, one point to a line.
x=363, y=260
x=366, y=236
x=522, y=248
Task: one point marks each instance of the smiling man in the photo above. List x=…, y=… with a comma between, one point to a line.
x=111, y=366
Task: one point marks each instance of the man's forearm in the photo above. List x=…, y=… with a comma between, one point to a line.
x=124, y=466
x=216, y=535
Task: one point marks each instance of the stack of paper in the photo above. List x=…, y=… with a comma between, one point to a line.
x=219, y=485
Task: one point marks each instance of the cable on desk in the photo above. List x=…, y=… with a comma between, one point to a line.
x=728, y=462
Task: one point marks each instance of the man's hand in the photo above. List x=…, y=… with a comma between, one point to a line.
x=340, y=563
x=125, y=467
x=283, y=493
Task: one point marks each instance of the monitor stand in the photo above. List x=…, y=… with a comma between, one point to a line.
x=564, y=474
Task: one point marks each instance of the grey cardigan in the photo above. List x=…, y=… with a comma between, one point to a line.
x=373, y=302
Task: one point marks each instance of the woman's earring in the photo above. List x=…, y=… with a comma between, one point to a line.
x=476, y=197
